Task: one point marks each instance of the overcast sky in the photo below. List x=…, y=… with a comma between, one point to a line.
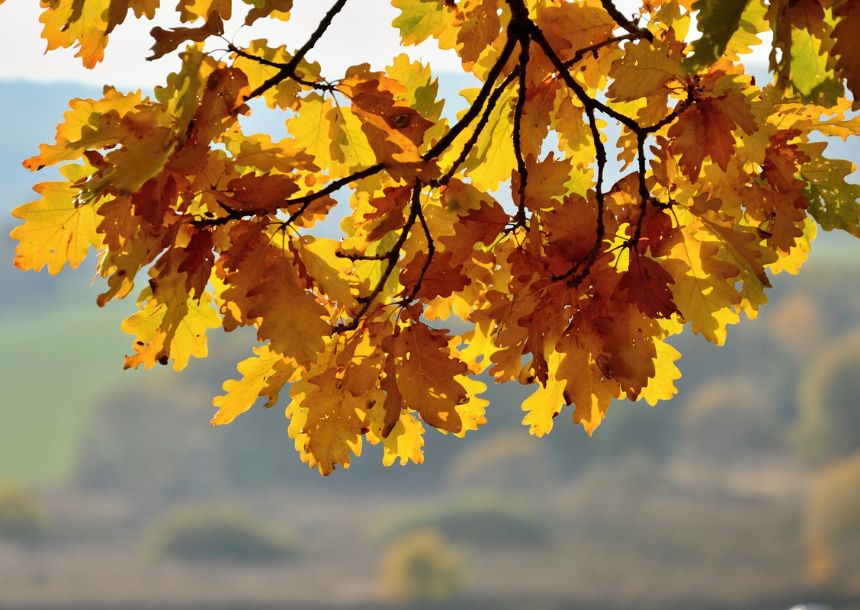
x=362, y=32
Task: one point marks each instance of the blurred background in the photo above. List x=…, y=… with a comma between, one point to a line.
x=115, y=492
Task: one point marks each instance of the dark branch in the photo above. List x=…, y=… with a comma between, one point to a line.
x=676, y=112
x=523, y=31
x=320, y=86
x=578, y=272
x=479, y=128
x=431, y=251
x=391, y=258
x=644, y=194
x=593, y=49
x=475, y=109
x=305, y=201
x=359, y=256
x=624, y=22
x=288, y=70
x=522, y=170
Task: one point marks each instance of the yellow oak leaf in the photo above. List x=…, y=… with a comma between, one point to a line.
x=57, y=228
x=263, y=374
x=331, y=135
x=169, y=331
x=472, y=410
x=273, y=298
x=706, y=303
x=419, y=86
x=86, y=24
x=191, y=10
x=662, y=385
x=74, y=23
x=492, y=158
x=421, y=19
x=646, y=70
x=479, y=26
x=706, y=129
x=589, y=383
x=89, y=124
x=326, y=422
x=275, y=9
x=168, y=40
x=574, y=25
x=546, y=402
x=326, y=269
x=404, y=442
x=793, y=260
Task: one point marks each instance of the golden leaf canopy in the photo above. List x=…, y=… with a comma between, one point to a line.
x=494, y=247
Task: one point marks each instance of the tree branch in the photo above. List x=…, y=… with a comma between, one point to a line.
x=522, y=170
x=593, y=49
x=305, y=201
x=578, y=272
x=288, y=70
x=624, y=22
x=479, y=128
x=391, y=258
x=475, y=108
x=320, y=86
x=431, y=251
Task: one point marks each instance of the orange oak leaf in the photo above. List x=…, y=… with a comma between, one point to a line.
x=426, y=376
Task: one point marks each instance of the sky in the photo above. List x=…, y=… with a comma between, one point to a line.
x=361, y=32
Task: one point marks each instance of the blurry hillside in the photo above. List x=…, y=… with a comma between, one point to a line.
x=743, y=492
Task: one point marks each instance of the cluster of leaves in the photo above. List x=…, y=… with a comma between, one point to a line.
x=573, y=286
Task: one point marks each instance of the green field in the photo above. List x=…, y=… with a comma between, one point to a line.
x=57, y=364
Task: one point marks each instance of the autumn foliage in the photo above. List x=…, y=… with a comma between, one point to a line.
x=501, y=224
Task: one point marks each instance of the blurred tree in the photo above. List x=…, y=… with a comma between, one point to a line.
x=148, y=441
x=727, y=420
x=421, y=566
x=797, y=323
x=505, y=462
x=207, y=533
x=479, y=520
x=828, y=428
x=833, y=521
x=21, y=519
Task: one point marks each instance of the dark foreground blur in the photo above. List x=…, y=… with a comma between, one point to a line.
x=742, y=494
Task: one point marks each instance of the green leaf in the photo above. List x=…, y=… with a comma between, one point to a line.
x=718, y=22
x=833, y=202
x=419, y=19
x=810, y=74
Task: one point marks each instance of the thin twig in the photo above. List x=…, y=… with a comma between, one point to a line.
x=431, y=251
x=475, y=108
x=479, y=128
x=320, y=86
x=593, y=49
x=288, y=70
x=644, y=194
x=624, y=22
x=306, y=200
x=391, y=259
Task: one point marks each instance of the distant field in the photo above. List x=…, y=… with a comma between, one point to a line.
x=57, y=363
x=61, y=359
